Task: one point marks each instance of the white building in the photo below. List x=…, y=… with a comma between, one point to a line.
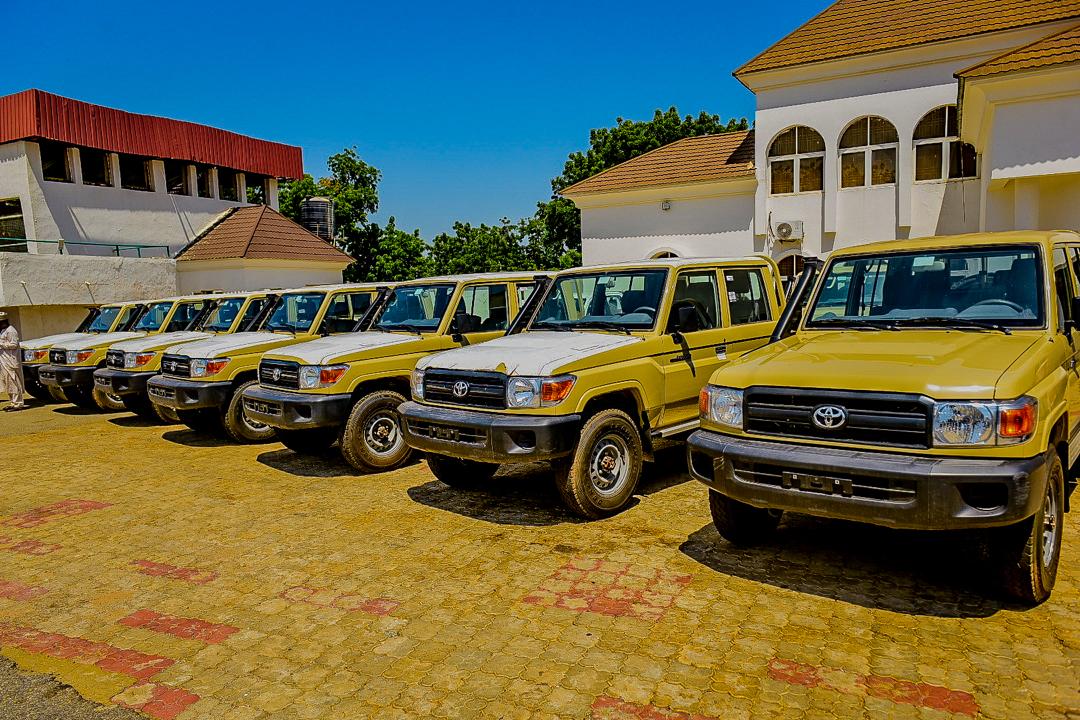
x=874, y=120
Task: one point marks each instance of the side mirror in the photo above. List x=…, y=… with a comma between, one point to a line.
x=687, y=319
x=462, y=324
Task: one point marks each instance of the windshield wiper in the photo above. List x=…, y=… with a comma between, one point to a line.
x=954, y=323
x=853, y=324
x=601, y=325
x=407, y=327
x=546, y=325
x=287, y=327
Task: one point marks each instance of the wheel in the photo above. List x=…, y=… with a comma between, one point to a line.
x=203, y=420
x=462, y=474
x=238, y=426
x=307, y=442
x=165, y=414
x=371, y=440
x=604, y=470
x=739, y=523
x=107, y=401
x=1028, y=552
x=57, y=394
x=141, y=406
x=37, y=391
x=82, y=397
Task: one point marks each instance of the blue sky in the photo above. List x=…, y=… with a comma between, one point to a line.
x=467, y=109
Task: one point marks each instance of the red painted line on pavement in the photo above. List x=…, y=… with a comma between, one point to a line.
x=132, y=663
x=181, y=627
x=56, y=511
x=27, y=547
x=326, y=598
x=162, y=702
x=609, y=708
x=904, y=692
x=12, y=590
x=610, y=588
x=172, y=572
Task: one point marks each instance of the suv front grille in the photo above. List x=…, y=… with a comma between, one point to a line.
x=277, y=373
x=471, y=388
x=115, y=359
x=176, y=365
x=58, y=357
x=872, y=418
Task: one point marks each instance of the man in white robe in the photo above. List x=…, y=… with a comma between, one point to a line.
x=11, y=377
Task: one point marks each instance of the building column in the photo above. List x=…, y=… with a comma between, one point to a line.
x=241, y=187
x=1026, y=204
x=832, y=186
x=905, y=180
x=272, y=192
x=76, y=165
x=192, y=180
x=215, y=192
x=114, y=169
x=157, y=175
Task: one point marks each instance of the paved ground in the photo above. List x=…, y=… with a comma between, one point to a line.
x=158, y=569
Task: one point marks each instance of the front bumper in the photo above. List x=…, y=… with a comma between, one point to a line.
x=122, y=382
x=180, y=394
x=294, y=410
x=30, y=374
x=900, y=491
x=488, y=437
x=67, y=376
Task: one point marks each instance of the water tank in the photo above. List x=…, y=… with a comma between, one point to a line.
x=317, y=215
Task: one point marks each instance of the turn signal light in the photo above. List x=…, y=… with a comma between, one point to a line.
x=213, y=367
x=555, y=391
x=330, y=375
x=143, y=358
x=703, y=402
x=1019, y=421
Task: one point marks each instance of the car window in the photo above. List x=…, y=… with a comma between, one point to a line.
x=524, y=292
x=486, y=307
x=104, y=320
x=154, y=316
x=696, y=290
x=253, y=309
x=185, y=315
x=747, y=300
x=221, y=318
x=616, y=300
x=345, y=310
x=295, y=312
x=1064, y=282
x=416, y=307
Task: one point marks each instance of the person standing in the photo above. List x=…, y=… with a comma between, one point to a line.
x=11, y=377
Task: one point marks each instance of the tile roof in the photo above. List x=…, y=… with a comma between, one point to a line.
x=727, y=156
x=855, y=27
x=1059, y=49
x=259, y=232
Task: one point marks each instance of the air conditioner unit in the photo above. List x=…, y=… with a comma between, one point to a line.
x=790, y=231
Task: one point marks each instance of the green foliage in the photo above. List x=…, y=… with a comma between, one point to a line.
x=479, y=248
x=391, y=254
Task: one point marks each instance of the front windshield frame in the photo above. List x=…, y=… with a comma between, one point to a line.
x=109, y=313
x=139, y=327
x=414, y=325
x=208, y=324
x=1039, y=322
x=281, y=302
x=553, y=287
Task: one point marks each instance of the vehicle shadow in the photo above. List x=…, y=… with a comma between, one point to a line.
x=134, y=421
x=324, y=465
x=191, y=438
x=917, y=573
x=76, y=410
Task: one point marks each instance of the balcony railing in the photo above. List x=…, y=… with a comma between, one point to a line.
x=63, y=247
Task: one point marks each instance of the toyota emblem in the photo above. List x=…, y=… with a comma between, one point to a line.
x=276, y=374
x=461, y=389
x=829, y=417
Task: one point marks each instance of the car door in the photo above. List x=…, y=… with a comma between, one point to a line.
x=1066, y=287
x=688, y=359
x=487, y=308
x=751, y=310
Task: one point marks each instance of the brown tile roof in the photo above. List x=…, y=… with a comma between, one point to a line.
x=1060, y=49
x=261, y=233
x=854, y=27
x=727, y=156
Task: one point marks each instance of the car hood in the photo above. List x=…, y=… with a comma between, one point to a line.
x=49, y=341
x=347, y=346
x=87, y=342
x=226, y=345
x=531, y=354
x=156, y=342
x=939, y=364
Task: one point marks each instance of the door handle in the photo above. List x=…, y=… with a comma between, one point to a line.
x=721, y=351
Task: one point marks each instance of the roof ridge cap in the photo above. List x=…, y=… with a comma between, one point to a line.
x=254, y=229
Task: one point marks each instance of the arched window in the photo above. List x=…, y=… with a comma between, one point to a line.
x=868, y=152
x=796, y=161
x=661, y=254
x=938, y=151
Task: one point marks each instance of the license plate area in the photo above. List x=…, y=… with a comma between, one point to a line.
x=262, y=407
x=103, y=382
x=161, y=392
x=808, y=482
x=443, y=432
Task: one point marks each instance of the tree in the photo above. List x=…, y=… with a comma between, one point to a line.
x=395, y=255
x=480, y=248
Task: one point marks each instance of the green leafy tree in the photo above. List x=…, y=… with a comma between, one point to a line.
x=480, y=248
x=395, y=255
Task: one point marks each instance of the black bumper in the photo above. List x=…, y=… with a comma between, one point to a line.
x=296, y=411
x=122, y=382
x=180, y=394
x=30, y=374
x=901, y=491
x=488, y=437
x=64, y=376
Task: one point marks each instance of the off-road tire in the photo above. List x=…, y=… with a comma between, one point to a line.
x=165, y=414
x=106, y=402
x=1021, y=550
x=57, y=394
x=460, y=474
x=609, y=437
x=237, y=425
x=38, y=391
x=739, y=523
x=203, y=420
x=315, y=441
x=372, y=439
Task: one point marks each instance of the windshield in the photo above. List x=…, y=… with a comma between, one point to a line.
x=295, y=312
x=103, y=321
x=627, y=300
x=223, y=316
x=153, y=317
x=998, y=286
x=417, y=308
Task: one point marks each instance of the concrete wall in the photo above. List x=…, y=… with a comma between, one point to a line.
x=27, y=280
x=41, y=320
x=193, y=276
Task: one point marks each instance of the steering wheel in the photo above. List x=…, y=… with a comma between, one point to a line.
x=644, y=309
x=999, y=301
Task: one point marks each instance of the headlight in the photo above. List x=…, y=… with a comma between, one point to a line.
x=203, y=367
x=418, y=384
x=74, y=357
x=320, y=376
x=984, y=423
x=721, y=405
x=534, y=392
x=134, y=360
x=34, y=355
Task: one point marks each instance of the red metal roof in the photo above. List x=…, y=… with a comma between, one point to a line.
x=38, y=114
